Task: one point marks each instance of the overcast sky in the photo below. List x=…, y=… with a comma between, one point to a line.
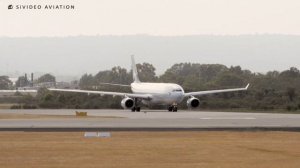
x=152, y=17
x=156, y=18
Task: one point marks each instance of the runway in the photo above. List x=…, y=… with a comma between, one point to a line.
x=150, y=120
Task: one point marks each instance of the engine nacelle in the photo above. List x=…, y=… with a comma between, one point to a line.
x=127, y=103
x=193, y=102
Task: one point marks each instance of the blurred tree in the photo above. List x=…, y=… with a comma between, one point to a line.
x=116, y=75
x=229, y=80
x=291, y=73
x=46, y=78
x=291, y=92
x=5, y=83
x=86, y=81
x=146, y=72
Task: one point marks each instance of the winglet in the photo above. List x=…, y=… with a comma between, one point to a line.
x=247, y=86
x=134, y=71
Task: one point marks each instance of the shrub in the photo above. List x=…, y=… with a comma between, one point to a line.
x=16, y=107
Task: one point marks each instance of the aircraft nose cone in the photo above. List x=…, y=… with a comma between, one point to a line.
x=179, y=97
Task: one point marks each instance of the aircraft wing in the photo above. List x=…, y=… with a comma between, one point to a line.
x=20, y=91
x=215, y=91
x=114, y=84
x=132, y=95
x=12, y=92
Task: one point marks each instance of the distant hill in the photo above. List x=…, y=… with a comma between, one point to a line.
x=77, y=55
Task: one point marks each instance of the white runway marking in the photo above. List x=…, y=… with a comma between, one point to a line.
x=228, y=118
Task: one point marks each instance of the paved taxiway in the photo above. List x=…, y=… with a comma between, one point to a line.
x=152, y=119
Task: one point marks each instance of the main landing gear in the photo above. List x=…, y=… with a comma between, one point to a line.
x=136, y=107
x=172, y=108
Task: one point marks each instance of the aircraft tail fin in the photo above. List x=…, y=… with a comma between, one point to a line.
x=134, y=71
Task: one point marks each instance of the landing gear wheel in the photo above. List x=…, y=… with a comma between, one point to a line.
x=172, y=108
x=136, y=109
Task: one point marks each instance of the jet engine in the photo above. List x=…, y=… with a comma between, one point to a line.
x=193, y=102
x=127, y=103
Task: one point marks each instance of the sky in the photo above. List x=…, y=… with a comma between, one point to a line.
x=151, y=17
x=269, y=19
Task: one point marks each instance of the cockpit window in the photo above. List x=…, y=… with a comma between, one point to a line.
x=177, y=90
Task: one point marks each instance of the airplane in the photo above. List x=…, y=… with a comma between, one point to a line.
x=168, y=94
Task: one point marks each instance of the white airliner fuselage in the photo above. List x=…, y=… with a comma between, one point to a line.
x=162, y=93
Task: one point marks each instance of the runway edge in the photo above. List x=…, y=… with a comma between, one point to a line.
x=67, y=129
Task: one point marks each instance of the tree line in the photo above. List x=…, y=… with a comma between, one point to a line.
x=271, y=91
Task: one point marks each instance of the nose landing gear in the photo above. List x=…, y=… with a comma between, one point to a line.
x=172, y=108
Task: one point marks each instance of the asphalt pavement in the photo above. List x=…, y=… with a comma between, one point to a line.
x=126, y=120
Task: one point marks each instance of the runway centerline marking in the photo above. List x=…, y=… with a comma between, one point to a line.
x=227, y=118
